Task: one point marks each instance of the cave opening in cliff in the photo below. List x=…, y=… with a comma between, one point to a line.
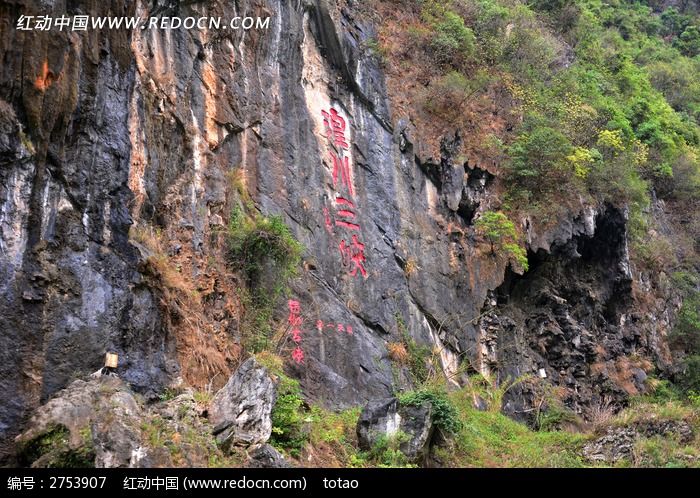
x=580, y=257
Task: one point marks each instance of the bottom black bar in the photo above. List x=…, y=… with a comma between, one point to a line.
x=324, y=482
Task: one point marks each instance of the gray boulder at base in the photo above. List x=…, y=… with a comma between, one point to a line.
x=94, y=423
x=241, y=412
x=267, y=457
x=388, y=418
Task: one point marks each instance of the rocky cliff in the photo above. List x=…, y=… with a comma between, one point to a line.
x=124, y=152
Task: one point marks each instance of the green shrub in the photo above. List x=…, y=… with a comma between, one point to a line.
x=491, y=439
x=689, y=41
x=661, y=391
x=673, y=22
x=686, y=333
x=418, y=354
x=376, y=49
x=53, y=447
x=386, y=451
x=689, y=378
x=554, y=415
x=288, y=417
x=501, y=235
x=453, y=43
x=257, y=241
x=538, y=160
x=168, y=394
x=445, y=414
x=265, y=251
x=449, y=95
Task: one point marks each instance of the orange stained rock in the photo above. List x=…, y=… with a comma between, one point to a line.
x=45, y=78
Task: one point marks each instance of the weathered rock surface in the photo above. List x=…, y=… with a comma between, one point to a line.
x=241, y=412
x=390, y=419
x=107, y=131
x=267, y=457
x=569, y=318
x=615, y=445
x=94, y=423
x=101, y=423
x=618, y=442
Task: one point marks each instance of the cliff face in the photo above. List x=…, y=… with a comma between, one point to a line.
x=108, y=134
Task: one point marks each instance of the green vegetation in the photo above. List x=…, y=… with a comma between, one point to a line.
x=158, y=433
x=490, y=391
x=686, y=333
x=500, y=233
x=687, y=329
x=444, y=413
x=603, y=96
x=386, y=451
x=265, y=251
x=203, y=397
x=454, y=91
x=555, y=414
x=690, y=377
x=338, y=431
x=168, y=394
x=376, y=49
x=53, y=450
x=288, y=417
x=491, y=439
x=417, y=357
x=257, y=243
x=664, y=405
x=180, y=435
x=594, y=103
x=452, y=41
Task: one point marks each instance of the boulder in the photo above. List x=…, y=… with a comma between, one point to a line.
x=88, y=424
x=389, y=418
x=267, y=457
x=618, y=443
x=241, y=412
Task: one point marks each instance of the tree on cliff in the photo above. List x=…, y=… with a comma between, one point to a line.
x=502, y=236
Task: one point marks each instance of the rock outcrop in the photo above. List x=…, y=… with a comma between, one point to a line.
x=410, y=425
x=109, y=138
x=95, y=423
x=102, y=423
x=267, y=457
x=241, y=411
x=618, y=442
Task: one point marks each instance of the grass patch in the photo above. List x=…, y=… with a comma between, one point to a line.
x=386, y=452
x=664, y=452
x=338, y=431
x=490, y=439
x=408, y=352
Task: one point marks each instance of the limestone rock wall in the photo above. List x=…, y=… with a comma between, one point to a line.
x=105, y=131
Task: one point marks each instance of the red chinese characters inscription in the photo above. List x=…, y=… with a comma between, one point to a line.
x=335, y=129
x=352, y=249
x=295, y=320
x=341, y=168
x=355, y=254
x=298, y=355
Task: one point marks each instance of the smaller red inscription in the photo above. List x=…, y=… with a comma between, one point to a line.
x=298, y=355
